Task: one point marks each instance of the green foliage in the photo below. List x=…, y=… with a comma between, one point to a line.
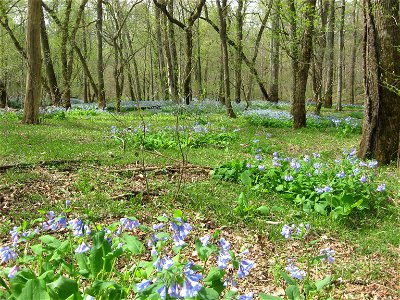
x=336, y=189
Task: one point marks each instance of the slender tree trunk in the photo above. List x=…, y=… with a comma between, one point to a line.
x=353, y=53
x=199, y=75
x=330, y=46
x=172, y=84
x=101, y=95
x=341, y=57
x=222, y=12
x=172, y=48
x=274, y=60
x=160, y=56
x=319, y=56
x=33, y=80
x=239, y=50
x=51, y=76
x=3, y=93
x=381, y=127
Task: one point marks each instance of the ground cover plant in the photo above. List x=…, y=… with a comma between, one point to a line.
x=326, y=235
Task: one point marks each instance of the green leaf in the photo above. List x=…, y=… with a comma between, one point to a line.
x=162, y=219
x=289, y=280
x=34, y=289
x=177, y=214
x=203, y=252
x=50, y=241
x=320, y=208
x=83, y=263
x=63, y=288
x=269, y=297
x=37, y=249
x=293, y=292
x=134, y=245
x=246, y=179
x=98, y=254
x=279, y=188
x=320, y=284
x=208, y=294
x=264, y=210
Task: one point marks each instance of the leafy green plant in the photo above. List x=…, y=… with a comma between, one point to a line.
x=66, y=258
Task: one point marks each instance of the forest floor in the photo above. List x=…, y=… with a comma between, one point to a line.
x=77, y=159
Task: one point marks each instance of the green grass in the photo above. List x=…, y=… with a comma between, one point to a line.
x=95, y=177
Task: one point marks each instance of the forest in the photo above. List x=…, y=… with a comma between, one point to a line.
x=199, y=149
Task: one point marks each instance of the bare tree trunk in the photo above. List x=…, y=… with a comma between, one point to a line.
x=3, y=93
x=330, y=46
x=51, y=76
x=239, y=50
x=199, y=75
x=33, y=80
x=353, y=53
x=380, y=139
x=160, y=56
x=274, y=62
x=319, y=55
x=341, y=57
x=222, y=12
x=101, y=96
x=172, y=48
x=301, y=49
x=172, y=83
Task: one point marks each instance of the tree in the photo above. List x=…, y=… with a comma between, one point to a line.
x=274, y=62
x=353, y=53
x=101, y=95
x=222, y=12
x=3, y=93
x=239, y=42
x=381, y=127
x=340, y=65
x=33, y=79
x=188, y=29
x=300, y=52
x=330, y=40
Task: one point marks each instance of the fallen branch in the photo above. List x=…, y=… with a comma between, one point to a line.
x=46, y=163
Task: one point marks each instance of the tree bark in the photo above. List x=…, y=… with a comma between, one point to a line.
x=319, y=56
x=330, y=37
x=381, y=127
x=101, y=95
x=33, y=80
x=222, y=12
x=301, y=49
x=239, y=50
x=341, y=57
x=3, y=93
x=51, y=76
x=353, y=54
x=274, y=59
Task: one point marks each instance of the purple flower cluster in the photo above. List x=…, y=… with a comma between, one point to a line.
x=300, y=231
x=328, y=253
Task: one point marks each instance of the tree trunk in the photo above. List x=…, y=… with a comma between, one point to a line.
x=330, y=37
x=319, y=55
x=51, y=76
x=187, y=80
x=172, y=84
x=160, y=56
x=301, y=57
x=3, y=93
x=101, y=95
x=239, y=50
x=381, y=127
x=353, y=53
x=172, y=49
x=222, y=12
x=274, y=62
x=341, y=57
x=33, y=80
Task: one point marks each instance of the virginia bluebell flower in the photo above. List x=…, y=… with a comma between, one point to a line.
x=7, y=254
x=13, y=271
x=306, y=158
x=275, y=154
x=316, y=155
x=356, y=171
x=329, y=253
x=248, y=165
x=287, y=230
x=295, y=164
x=248, y=296
x=294, y=271
x=372, y=164
x=259, y=157
x=67, y=203
x=288, y=178
x=204, y=240
x=163, y=263
x=14, y=234
x=129, y=224
x=174, y=291
x=158, y=226
x=363, y=178
x=144, y=284
x=245, y=267
x=162, y=291
x=82, y=248
x=261, y=167
x=341, y=174
x=381, y=187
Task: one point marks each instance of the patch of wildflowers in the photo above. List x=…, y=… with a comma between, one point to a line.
x=288, y=178
x=363, y=178
x=162, y=291
x=259, y=157
x=204, y=240
x=158, y=226
x=341, y=174
x=372, y=164
x=261, y=167
x=248, y=296
x=144, y=284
